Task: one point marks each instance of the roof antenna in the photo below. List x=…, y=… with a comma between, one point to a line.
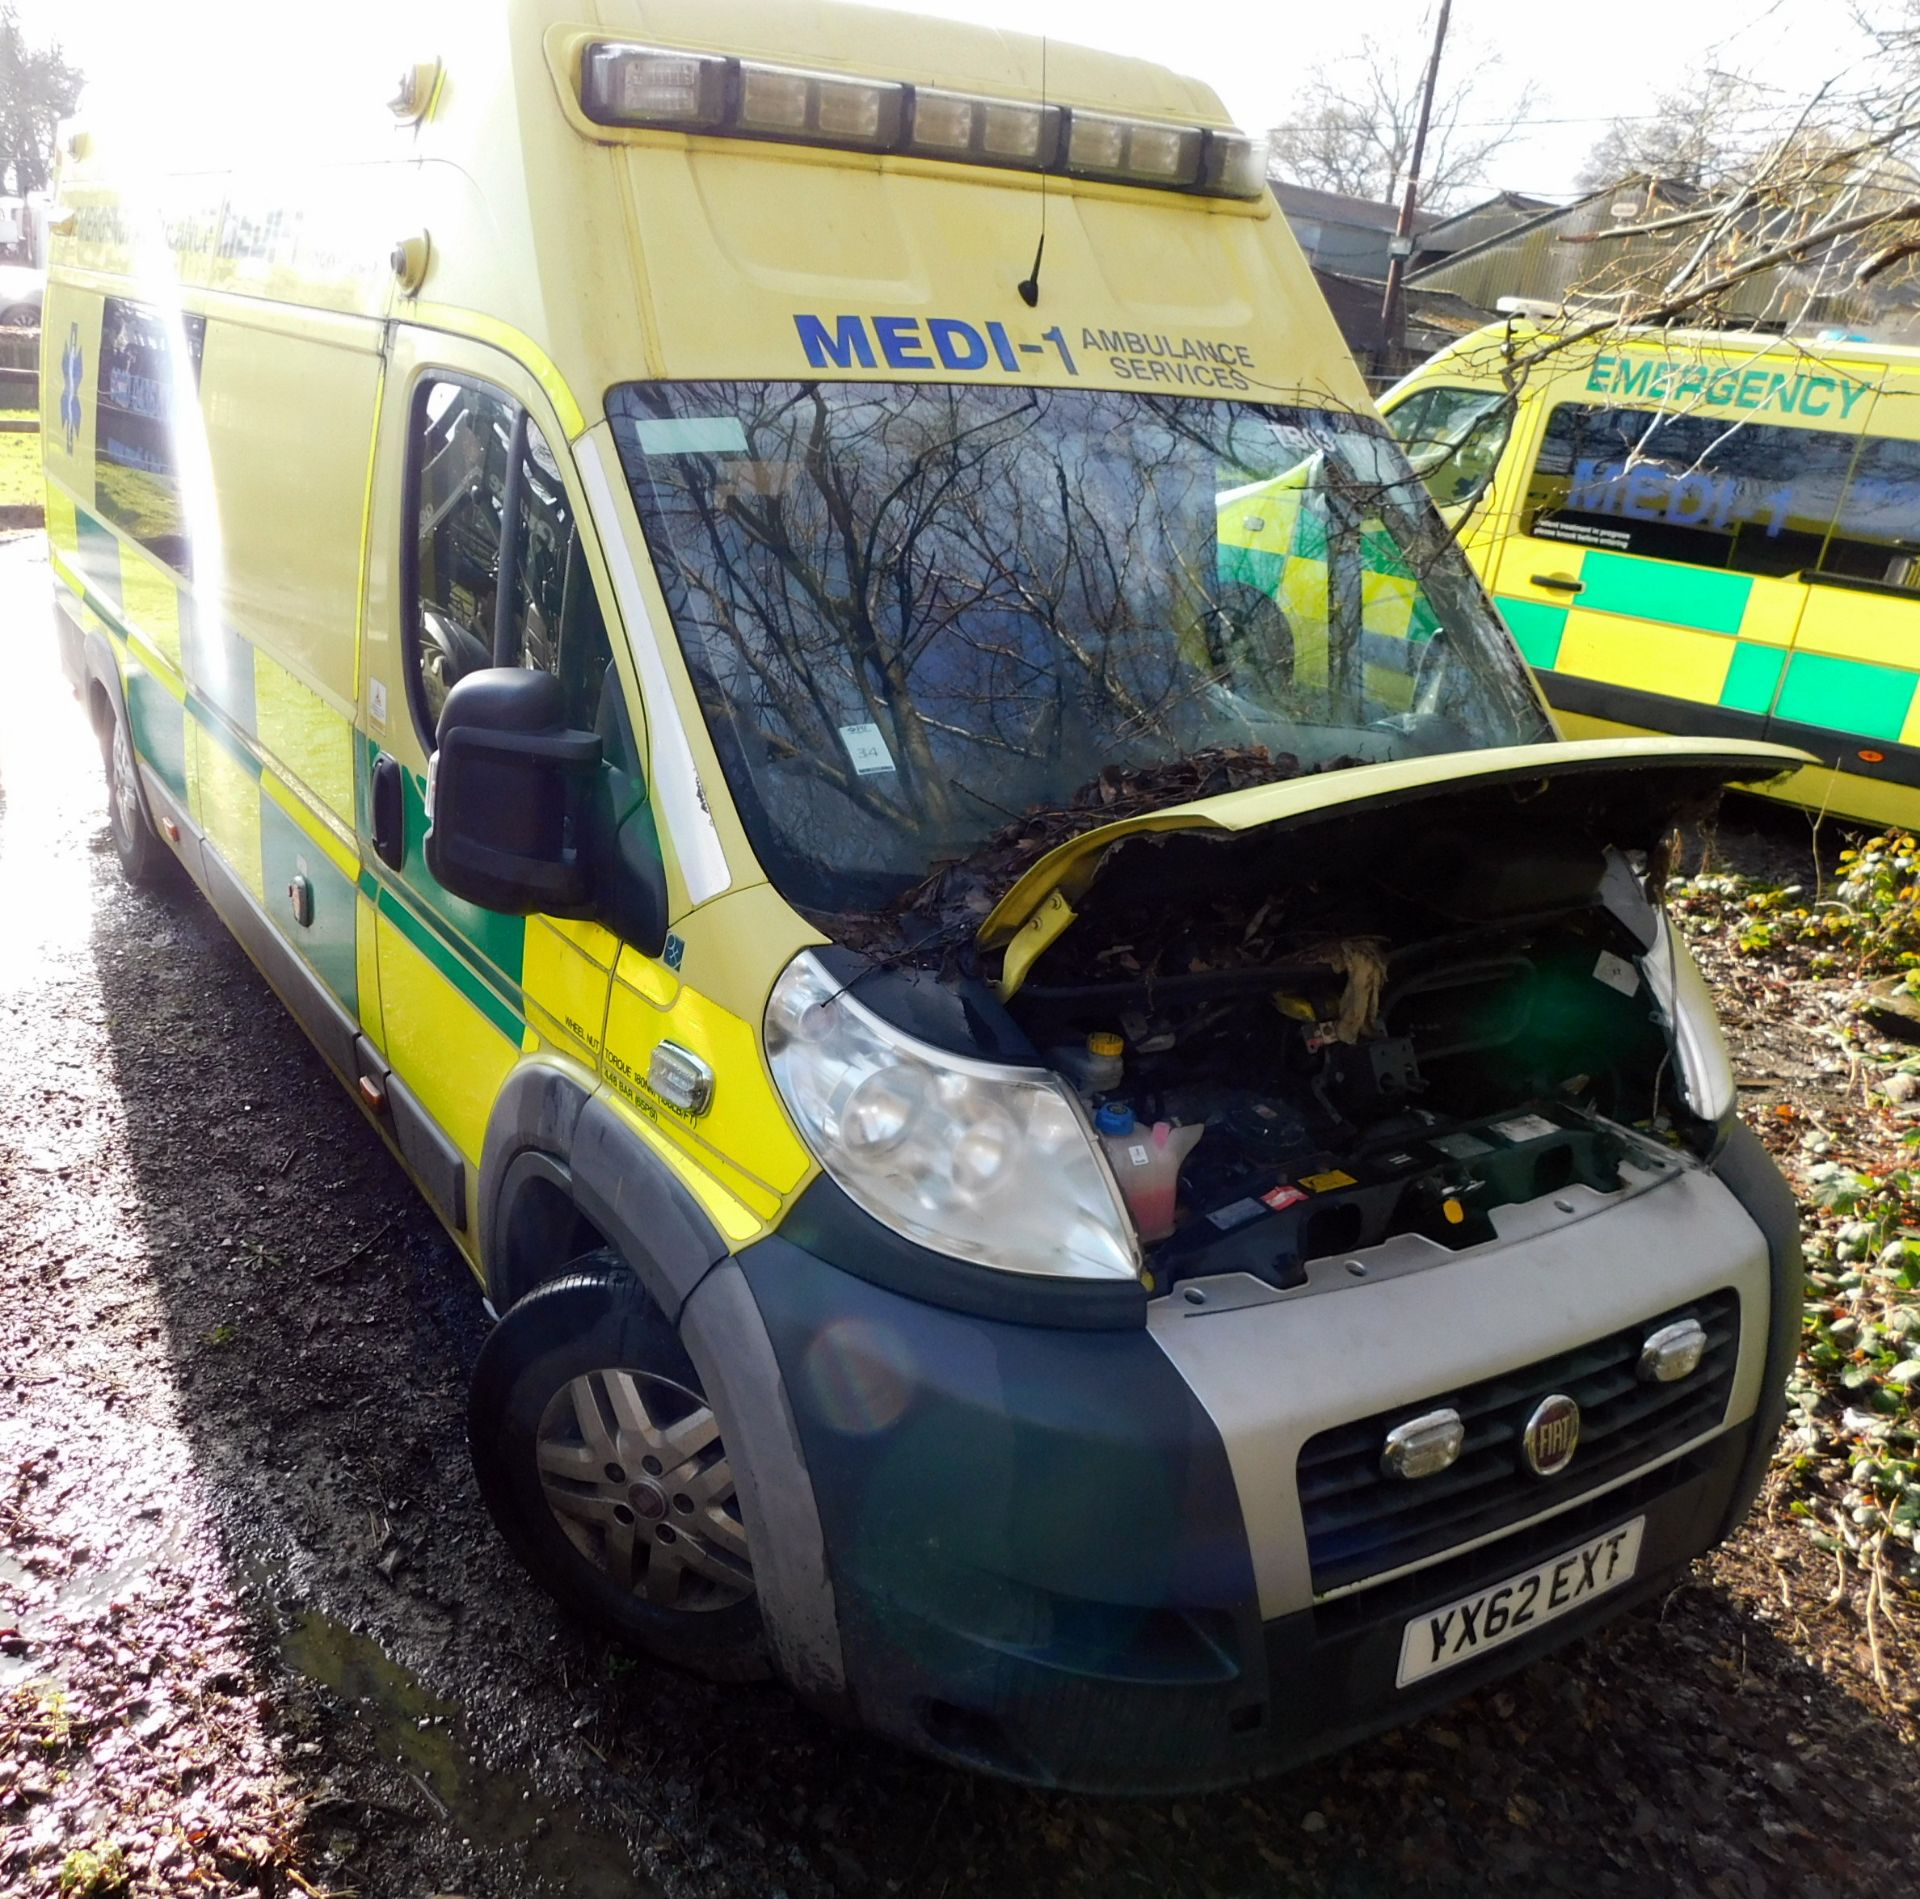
x=1029, y=285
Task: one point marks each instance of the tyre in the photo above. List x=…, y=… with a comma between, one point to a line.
x=144, y=860
x=602, y=1464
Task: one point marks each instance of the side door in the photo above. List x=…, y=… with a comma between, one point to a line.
x=1847, y=691
x=118, y=399
x=481, y=558
x=1651, y=568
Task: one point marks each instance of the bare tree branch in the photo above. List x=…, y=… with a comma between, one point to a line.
x=1350, y=127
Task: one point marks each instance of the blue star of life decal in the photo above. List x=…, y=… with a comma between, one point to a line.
x=72, y=364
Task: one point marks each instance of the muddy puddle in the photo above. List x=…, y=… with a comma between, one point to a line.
x=421, y=1736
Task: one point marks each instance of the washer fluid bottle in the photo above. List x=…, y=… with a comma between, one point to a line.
x=1146, y=1162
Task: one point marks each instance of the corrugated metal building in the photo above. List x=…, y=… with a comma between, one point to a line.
x=1561, y=257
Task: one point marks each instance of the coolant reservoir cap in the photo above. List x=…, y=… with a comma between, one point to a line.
x=1105, y=1042
x=1115, y=1118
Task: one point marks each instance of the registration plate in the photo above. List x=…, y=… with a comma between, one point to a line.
x=1473, y=1625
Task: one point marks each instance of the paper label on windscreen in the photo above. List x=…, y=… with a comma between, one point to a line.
x=691, y=435
x=867, y=749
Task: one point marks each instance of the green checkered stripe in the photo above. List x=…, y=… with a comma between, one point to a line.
x=479, y=951
x=1763, y=679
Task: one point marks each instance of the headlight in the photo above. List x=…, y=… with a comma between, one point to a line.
x=1705, y=1070
x=983, y=1163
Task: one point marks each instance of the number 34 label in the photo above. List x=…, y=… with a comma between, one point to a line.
x=1443, y=1638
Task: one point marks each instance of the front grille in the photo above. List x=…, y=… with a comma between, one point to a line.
x=1361, y=1522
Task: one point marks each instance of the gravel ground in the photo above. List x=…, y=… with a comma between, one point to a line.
x=256, y=1635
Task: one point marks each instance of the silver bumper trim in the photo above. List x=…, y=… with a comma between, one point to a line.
x=1272, y=1369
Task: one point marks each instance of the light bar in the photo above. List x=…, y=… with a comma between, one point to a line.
x=1134, y=151
x=817, y=108
x=633, y=85
x=665, y=89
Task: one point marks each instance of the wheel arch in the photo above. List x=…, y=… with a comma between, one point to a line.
x=105, y=688
x=106, y=701
x=561, y=1174
x=100, y=708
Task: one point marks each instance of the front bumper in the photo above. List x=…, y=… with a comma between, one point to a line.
x=1076, y=1559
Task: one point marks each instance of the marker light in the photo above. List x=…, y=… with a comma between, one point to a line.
x=866, y=110
x=1672, y=1353
x=943, y=122
x=772, y=101
x=1097, y=144
x=984, y=131
x=1164, y=151
x=1235, y=166
x=622, y=84
x=1424, y=1446
x=1027, y=134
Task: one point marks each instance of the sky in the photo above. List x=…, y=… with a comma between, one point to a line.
x=1588, y=64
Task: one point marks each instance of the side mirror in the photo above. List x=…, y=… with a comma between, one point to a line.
x=509, y=793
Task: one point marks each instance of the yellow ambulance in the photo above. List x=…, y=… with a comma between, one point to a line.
x=1714, y=533
x=788, y=632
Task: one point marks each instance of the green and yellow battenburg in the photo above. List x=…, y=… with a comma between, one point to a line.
x=1713, y=637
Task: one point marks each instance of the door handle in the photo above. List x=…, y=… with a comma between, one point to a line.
x=1560, y=583
x=388, y=812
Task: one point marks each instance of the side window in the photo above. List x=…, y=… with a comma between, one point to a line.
x=1453, y=438
x=462, y=444
x=1877, y=534
x=149, y=374
x=1752, y=497
x=499, y=577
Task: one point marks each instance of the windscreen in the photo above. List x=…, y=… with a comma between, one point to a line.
x=1453, y=438
x=913, y=613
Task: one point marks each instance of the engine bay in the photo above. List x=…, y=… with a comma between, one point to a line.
x=1372, y=1041
x=1305, y=1017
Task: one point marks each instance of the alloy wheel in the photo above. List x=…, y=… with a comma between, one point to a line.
x=635, y=1474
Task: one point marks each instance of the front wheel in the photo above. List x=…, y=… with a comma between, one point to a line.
x=603, y=1465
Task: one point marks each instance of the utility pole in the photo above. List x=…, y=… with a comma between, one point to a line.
x=1393, y=313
